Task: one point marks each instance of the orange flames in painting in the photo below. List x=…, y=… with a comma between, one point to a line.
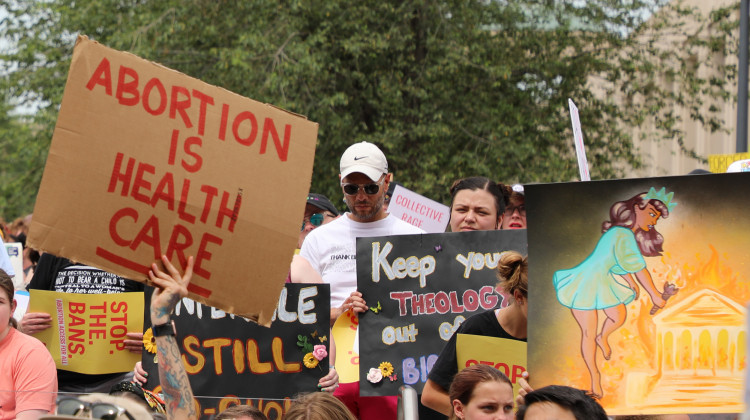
x=690, y=354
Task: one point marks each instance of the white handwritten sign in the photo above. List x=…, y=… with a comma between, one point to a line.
x=583, y=165
x=418, y=210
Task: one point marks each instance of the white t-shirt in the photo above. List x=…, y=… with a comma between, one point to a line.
x=331, y=249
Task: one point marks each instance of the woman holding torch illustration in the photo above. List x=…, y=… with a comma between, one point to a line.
x=608, y=278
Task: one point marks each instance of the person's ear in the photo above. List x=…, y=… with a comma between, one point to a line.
x=499, y=222
x=519, y=297
x=13, y=307
x=458, y=408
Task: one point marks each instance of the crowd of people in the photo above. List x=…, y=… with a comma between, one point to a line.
x=30, y=383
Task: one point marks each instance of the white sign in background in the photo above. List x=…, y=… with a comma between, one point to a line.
x=420, y=211
x=583, y=165
x=22, y=304
x=740, y=166
x=15, y=253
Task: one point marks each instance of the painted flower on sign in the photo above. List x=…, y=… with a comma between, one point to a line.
x=374, y=375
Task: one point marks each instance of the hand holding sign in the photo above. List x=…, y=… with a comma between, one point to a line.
x=171, y=287
x=134, y=342
x=33, y=322
x=355, y=302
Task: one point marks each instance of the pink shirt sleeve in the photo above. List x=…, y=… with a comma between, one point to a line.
x=33, y=375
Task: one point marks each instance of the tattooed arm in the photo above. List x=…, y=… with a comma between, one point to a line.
x=171, y=286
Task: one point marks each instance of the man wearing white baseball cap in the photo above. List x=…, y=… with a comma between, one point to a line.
x=331, y=252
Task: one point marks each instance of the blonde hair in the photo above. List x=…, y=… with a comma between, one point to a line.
x=513, y=273
x=318, y=406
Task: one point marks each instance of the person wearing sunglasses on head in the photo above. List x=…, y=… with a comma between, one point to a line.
x=330, y=251
x=103, y=407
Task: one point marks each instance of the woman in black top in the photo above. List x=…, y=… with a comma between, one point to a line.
x=509, y=322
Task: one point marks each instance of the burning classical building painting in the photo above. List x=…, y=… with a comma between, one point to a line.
x=649, y=321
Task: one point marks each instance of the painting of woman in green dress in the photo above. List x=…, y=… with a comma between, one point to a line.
x=608, y=278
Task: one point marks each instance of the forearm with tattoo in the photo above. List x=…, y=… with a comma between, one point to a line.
x=161, y=313
x=178, y=394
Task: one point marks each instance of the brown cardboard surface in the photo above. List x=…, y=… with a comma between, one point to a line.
x=147, y=161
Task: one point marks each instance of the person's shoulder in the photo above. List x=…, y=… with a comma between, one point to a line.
x=477, y=322
x=620, y=232
x=28, y=343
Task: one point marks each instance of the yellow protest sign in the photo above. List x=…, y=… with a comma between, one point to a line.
x=347, y=359
x=720, y=163
x=88, y=330
x=508, y=356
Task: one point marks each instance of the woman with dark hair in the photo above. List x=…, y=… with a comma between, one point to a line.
x=28, y=378
x=560, y=402
x=508, y=322
x=476, y=204
x=481, y=392
x=515, y=209
x=605, y=279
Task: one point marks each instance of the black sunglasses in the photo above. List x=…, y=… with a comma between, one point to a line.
x=98, y=410
x=369, y=189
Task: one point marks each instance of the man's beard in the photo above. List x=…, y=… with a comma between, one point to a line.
x=368, y=215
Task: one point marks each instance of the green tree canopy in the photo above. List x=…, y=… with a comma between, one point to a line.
x=447, y=88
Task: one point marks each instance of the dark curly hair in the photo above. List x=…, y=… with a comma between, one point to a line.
x=622, y=214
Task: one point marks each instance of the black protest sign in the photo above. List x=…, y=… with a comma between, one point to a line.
x=419, y=289
x=231, y=360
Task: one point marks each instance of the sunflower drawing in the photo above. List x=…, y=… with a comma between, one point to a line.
x=386, y=368
x=310, y=361
x=149, y=342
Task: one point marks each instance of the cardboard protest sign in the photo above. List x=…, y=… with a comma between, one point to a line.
x=419, y=289
x=88, y=332
x=230, y=360
x=507, y=356
x=15, y=253
x=146, y=161
x=419, y=211
x=638, y=291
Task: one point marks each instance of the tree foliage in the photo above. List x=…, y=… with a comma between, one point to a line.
x=448, y=88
